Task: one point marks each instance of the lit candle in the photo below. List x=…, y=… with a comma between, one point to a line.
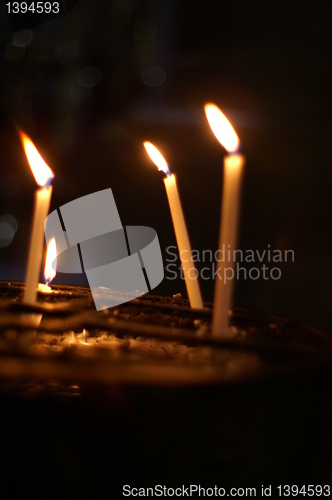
x=50, y=268
x=233, y=171
x=85, y=337
x=43, y=176
x=49, y=275
x=189, y=271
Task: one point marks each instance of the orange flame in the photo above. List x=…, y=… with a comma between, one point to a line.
x=156, y=157
x=41, y=171
x=221, y=128
x=50, y=271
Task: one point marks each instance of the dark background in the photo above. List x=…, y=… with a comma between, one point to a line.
x=90, y=86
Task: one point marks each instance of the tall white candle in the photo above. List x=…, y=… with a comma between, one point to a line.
x=233, y=166
x=43, y=176
x=233, y=171
x=182, y=239
x=49, y=270
x=189, y=271
x=42, y=204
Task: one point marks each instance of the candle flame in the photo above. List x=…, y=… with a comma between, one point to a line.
x=156, y=157
x=85, y=337
x=50, y=271
x=41, y=171
x=221, y=128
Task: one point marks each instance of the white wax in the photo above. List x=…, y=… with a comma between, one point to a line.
x=233, y=169
x=42, y=204
x=44, y=288
x=189, y=271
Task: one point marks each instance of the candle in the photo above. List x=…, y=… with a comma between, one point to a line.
x=43, y=176
x=44, y=288
x=49, y=274
x=85, y=336
x=189, y=271
x=50, y=267
x=233, y=170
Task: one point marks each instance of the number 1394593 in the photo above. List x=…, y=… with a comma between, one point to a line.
x=309, y=490
x=33, y=7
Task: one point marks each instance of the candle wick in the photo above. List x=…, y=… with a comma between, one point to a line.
x=48, y=183
x=165, y=174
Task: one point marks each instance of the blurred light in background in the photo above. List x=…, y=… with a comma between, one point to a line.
x=89, y=76
x=153, y=76
x=145, y=46
x=8, y=228
x=22, y=38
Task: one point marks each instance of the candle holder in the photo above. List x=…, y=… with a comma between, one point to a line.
x=148, y=396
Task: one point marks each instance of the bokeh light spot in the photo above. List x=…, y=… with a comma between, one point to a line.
x=22, y=38
x=153, y=76
x=89, y=76
x=8, y=228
